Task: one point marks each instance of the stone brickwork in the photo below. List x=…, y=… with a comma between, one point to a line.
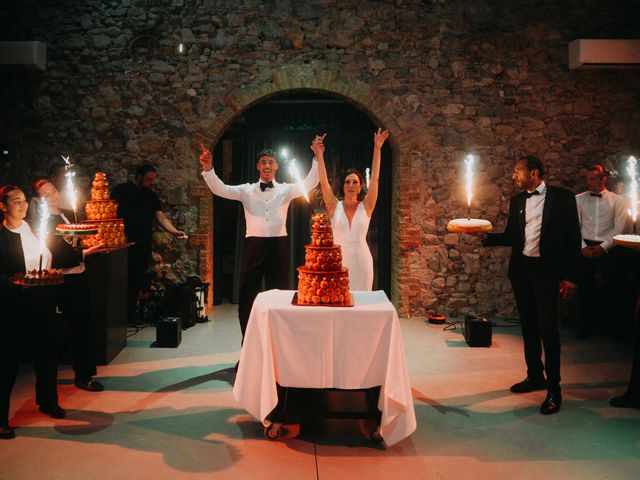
x=445, y=77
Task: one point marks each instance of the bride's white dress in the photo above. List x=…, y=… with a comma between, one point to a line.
x=356, y=255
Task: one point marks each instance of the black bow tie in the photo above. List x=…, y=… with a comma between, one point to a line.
x=530, y=194
x=599, y=195
x=264, y=186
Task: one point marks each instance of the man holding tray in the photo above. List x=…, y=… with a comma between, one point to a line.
x=544, y=234
x=73, y=296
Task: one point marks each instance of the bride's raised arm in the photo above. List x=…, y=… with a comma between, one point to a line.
x=372, y=195
x=330, y=199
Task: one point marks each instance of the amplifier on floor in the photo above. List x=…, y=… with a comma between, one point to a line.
x=168, y=332
x=477, y=331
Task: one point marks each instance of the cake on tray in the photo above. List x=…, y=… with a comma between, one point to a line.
x=76, y=229
x=469, y=225
x=627, y=240
x=323, y=280
x=36, y=278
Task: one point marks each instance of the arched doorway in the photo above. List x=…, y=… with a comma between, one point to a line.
x=290, y=120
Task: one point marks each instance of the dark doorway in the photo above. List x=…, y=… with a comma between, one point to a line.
x=290, y=121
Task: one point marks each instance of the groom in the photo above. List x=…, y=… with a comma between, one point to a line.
x=266, y=202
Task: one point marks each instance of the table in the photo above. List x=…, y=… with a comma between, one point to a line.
x=107, y=273
x=326, y=347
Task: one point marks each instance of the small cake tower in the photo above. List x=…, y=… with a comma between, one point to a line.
x=101, y=209
x=322, y=280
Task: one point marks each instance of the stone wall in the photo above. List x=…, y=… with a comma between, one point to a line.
x=446, y=77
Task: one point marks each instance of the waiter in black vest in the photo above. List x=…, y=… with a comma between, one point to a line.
x=544, y=234
x=266, y=250
x=602, y=215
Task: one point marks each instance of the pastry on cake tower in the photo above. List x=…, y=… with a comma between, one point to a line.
x=101, y=209
x=323, y=280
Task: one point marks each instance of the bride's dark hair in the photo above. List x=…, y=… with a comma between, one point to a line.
x=363, y=190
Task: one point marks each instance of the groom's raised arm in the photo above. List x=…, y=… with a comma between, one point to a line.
x=217, y=186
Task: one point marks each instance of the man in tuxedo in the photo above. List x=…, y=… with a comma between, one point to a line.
x=266, y=202
x=544, y=234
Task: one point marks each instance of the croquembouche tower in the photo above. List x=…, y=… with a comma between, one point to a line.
x=101, y=209
x=323, y=280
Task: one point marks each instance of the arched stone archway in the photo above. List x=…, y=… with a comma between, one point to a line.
x=403, y=142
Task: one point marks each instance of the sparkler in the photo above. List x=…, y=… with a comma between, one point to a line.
x=293, y=170
x=468, y=176
x=42, y=230
x=366, y=174
x=633, y=193
x=469, y=225
x=69, y=186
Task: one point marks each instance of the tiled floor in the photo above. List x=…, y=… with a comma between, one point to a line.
x=170, y=414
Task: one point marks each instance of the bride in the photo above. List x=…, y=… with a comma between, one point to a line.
x=351, y=214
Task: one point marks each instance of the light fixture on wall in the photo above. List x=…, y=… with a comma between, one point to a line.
x=180, y=48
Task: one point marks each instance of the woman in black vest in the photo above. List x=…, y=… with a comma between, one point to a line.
x=28, y=313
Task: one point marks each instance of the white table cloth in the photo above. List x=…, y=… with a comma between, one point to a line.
x=326, y=347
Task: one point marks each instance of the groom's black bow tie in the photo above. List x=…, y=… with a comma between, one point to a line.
x=265, y=185
x=530, y=194
x=599, y=195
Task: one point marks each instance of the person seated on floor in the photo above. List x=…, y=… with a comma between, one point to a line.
x=73, y=296
x=27, y=313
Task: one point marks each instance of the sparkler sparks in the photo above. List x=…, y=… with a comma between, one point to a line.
x=69, y=186
x=42, y=230
x=468, y=176
x=295, y=173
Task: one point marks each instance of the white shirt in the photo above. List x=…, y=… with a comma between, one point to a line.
x=533, y=222
x=265, y=212
x=601, y=218
x=31, y=249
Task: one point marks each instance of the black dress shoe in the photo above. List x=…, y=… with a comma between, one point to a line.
x=90, y=385
x=528, y=385
x=54, y=411
x=7, y=433
x=551, y=404
x=624, y=401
